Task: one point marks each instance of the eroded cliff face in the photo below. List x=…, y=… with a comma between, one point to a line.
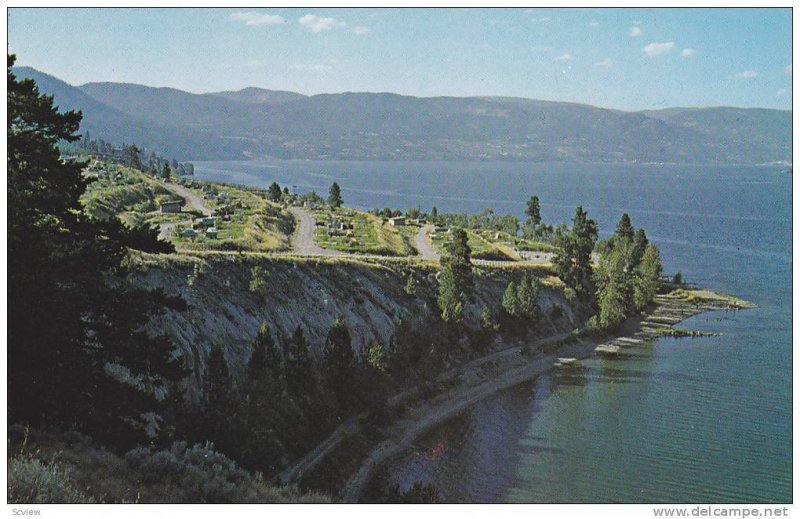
x=230, y=295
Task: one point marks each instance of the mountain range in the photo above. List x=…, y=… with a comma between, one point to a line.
x=257, y=123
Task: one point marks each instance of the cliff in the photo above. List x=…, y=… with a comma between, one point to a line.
x=229, y=295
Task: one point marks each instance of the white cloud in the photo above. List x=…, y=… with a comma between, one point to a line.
x=593, y=23
x=565, y=57
x=747, y=74
x=319, y=67
x=788, y=69
x=250, y=18
x=606, y=63
x=780, y=92
x=543, y=19
x=360, y=29
x=688, y=53
x=658, y=49
x=316, y=23
x=634, y=31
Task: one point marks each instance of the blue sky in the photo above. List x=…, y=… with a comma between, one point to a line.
x=629, y=59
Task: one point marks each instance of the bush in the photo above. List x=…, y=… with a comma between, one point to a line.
x=201, y=474
x=31, y=481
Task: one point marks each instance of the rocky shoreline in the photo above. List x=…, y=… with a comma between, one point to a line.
x=506, y=368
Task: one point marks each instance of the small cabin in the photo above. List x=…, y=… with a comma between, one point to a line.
x=211, y=232
x=208, y=222
x=188, y=233
x=397, y=221
x=171, y=206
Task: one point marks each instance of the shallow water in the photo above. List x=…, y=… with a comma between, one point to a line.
x=704, y=419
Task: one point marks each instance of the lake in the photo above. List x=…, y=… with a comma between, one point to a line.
x=706, y=419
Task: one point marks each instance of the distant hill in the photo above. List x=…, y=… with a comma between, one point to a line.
x=257, y=123
x=259, y=96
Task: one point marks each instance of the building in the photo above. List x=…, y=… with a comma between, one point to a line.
x=189, y=233
x=171, y=206
x=397, y=221
x=211, y=232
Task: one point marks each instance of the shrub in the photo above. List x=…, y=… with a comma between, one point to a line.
x=31, y=481
x=200, y=474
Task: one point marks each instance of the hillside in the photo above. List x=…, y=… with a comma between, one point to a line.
x=254, y=123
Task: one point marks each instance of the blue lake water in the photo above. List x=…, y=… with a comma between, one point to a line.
x=684, y=420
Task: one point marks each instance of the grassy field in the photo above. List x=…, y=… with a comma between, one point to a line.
x=127, y=193
x=255, y=224
x=485, y=246
x=362, y=233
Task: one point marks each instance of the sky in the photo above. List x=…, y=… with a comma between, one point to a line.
x=629, y=59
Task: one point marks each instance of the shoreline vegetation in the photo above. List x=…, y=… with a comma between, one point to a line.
x=234, y=344
x=500, y=370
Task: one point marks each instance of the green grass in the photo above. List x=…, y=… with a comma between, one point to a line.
x=134, y=192
x=483, y=248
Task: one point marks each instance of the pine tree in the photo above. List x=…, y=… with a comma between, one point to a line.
x=335, y=196
x=297, y=364
x=639, y=246
x=533, y=212
x=274, y=192
x=510, y=303
x=451, y=298
x=458, y=259
x=74, y=311
x=573, y=259
x=221, y=403
x=527, y=293
x=339, y=361
x=624, y=227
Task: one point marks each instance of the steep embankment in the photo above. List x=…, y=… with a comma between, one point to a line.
x=230, y=295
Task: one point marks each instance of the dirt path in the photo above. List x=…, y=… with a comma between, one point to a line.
x=303, y=237
x=421, y=243
x=192, y=200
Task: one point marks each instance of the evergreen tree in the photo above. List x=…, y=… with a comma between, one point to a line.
x=639, y=246
x=339, y=361
x=131, y=157
x=458, y=258
x=451, y=298
x=527, y=293
x=625, y=228
x=274, y=192
x=263, y=396
x=221, y=403
x=647, y=277
x=510, y=303
x=297, y=364
x=166, y=173
x=573, y=259
x=533, y=212
x=77, y=350
x=335, y=196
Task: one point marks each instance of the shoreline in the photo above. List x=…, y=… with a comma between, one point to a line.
x=501, y=370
